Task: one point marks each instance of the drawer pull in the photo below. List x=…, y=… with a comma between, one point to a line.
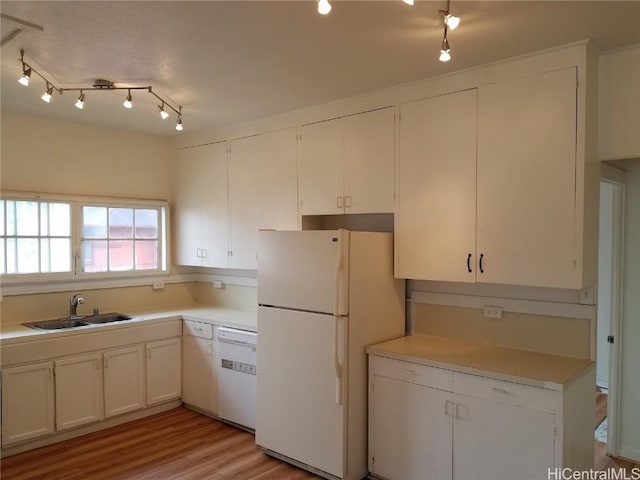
x=447, y=410
x=501, y=390
x=408, y=371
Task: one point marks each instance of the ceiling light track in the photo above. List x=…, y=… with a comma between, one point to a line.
x=98, y=85
x=450, y=22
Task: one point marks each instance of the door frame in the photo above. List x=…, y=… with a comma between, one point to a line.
x=616, y=306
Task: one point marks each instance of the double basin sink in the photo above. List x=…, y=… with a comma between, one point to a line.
x=73, y=322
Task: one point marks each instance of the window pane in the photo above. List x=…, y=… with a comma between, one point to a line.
x=146, y=255
x=45, y=256
x=27, y=215
x=11, y=218
x=146, y=223
x=1, y=217
x=2, y=256
x=94, y=256
x=11, y=255
x=94, y=222
x=59, y=219
x=120, y=223
x=28, y=255
x=60, y=254
x=120, y=255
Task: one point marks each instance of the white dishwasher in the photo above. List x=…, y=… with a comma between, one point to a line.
x=236, y=368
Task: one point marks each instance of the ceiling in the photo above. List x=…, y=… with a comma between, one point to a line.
x=226, y=62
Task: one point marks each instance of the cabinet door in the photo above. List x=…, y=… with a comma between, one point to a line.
x=526, y=180
x=215, y=215
x=369, y=167
x=435, y=224
x=410, y=432
x=164, y=370
x=245, y=202
x=199, y=384
x=79, y=397
x=27, y=402
x=189, y=184
x=497, y=441
x=322, y=169
x=123, y=380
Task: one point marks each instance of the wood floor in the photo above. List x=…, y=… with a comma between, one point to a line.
x=176, y=445
x=602, y=461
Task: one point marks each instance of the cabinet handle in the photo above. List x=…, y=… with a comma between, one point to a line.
x=481, y=268
x=198, y=252
x=447, y=404
x=408, y=371
x=203, y=252
x=458, y=409
x=469, y=263
x=339, y=202
x=501, y=391
x=347, y=201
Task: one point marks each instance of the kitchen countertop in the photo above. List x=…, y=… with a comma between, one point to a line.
x=228, y=317
x=530, y=368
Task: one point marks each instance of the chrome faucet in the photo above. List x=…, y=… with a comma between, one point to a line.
x=76, y=300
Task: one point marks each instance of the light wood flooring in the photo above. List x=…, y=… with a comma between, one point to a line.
x=602, y=461
x=177, y=445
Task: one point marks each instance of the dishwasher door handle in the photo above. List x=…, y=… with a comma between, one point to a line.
x=237, y=343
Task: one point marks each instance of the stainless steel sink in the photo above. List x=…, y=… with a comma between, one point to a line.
x=64, y=323
x=105, y=318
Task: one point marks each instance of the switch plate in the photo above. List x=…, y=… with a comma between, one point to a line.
x=218, y=284
x=493, y=312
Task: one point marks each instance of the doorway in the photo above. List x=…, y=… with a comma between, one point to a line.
x=610, y=274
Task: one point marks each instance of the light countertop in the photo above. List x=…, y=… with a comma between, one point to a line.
x=530, y=368
x=228, y=317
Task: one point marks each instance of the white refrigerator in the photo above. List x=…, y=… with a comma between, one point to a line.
x=323, y=297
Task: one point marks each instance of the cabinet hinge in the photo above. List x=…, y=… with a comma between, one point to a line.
x=373, y=460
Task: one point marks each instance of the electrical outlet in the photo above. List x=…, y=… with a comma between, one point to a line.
x=493, y=312
x=218, y=284
x=157, y=285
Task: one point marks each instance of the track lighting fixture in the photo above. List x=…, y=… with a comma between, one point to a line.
x=324, y=7
x=99, y=85
x=128, y=103
x=46, y=96
x=450, y=22
x=163, y=113
x=80, y=102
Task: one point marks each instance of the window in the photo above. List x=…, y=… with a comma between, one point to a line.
x=76, y=238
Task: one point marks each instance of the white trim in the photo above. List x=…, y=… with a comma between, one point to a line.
x=227, y=279
x=533, y=307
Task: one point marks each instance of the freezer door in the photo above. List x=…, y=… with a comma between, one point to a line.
x=304, y=270
x=297, y=414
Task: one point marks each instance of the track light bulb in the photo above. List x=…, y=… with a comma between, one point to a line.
x=324, y=7
x=46, y=96
x=80, y=101
x=24, y=79
x=408, y=2
x=163, y=113
x=445, y=51
x=128, y=103
x=451, y=21
x=179, y=123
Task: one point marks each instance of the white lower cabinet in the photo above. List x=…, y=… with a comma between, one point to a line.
x=199, y=384
x=79, y=392
x=164, y=370
x=432, y=423
x=27, y=402
x=124, y=380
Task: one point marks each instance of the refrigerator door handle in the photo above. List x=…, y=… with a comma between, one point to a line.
x=336, y=361
x=336, y=282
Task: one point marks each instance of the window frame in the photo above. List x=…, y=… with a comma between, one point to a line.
x=76, y=203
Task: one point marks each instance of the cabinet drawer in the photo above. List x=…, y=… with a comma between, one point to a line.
x=198, y=329
x=411, y=372
x=507, y=392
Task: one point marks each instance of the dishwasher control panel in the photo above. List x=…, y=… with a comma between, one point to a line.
x=239, y=366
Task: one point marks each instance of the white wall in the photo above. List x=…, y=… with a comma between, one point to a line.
x=604, y=283
x=630, y=332
x=51, y=156
x=619, y=104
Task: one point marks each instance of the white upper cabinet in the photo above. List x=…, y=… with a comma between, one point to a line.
x=526, y=213
x=200, y=206
x=263, y=191
x=435, y=220
x=347, y=165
